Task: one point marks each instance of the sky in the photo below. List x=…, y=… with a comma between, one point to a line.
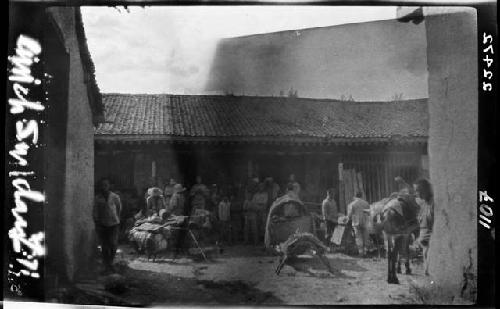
x=171, y=49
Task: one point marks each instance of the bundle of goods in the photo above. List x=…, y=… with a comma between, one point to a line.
x=300, y=243
x=152, y=235
x=375, y=216
x=338, y=232
x=343, y=236
x=343, y=220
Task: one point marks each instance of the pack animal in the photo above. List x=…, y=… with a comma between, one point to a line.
x=374, y=224
x=399, y=220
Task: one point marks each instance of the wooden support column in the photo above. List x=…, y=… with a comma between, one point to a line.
x=312, y=175
x=142, y=169
x=379, y=181
x=341, y=190
x=387, y=191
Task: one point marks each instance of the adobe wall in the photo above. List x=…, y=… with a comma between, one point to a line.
x=370, y=61
x=78, y=226
x=453, y=110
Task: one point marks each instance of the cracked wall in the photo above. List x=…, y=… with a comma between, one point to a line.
x=453, y=110
x=77, y=239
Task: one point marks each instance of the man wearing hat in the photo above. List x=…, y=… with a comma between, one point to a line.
x=155, y=201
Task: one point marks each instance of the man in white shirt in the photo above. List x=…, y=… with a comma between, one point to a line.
x=355, y=212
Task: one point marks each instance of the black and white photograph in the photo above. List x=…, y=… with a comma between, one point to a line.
x=248, y=155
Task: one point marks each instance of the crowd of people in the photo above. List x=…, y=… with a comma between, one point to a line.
x=110, y=214
x=256, y=199
x=258, y=196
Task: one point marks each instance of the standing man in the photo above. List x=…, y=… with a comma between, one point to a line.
x=224, y=216
x=107, y=210
x=273, y=190
x=290, y=209
x=214, y=197
x=252, y=185
x=199, y=194
x=330, y=213
x=295, y=184
x=250, y=223
x=177, y=200
x=167, y=194
x=155, y=202
x=259, y=200
x=355, y=212
x=425, y=199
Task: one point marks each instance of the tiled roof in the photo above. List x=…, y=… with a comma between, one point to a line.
x=185, y=117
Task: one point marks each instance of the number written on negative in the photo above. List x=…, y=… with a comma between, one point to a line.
x=487, y=74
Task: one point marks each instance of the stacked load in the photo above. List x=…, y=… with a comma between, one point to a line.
x=300, y=243
x=151, y=235
x=375, y=215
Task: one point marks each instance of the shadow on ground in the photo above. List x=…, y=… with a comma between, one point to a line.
x=150, y=288
x=313, y=266
x=242, y=291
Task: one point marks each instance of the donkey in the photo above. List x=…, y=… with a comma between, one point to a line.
x=399, y=221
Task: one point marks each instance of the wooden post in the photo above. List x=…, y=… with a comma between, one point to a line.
x=386, y=178
x=347, y=186
x=369, y=177
x=153, y=171
x=341, y=193
x=361, y=185
x=379, y=180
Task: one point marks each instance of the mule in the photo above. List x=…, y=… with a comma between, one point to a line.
x=374, y=224
x=399, y=221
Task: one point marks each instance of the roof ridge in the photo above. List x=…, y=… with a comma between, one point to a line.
x=347, y=24
x=261, y=97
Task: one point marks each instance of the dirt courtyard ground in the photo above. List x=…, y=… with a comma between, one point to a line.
x=245, y=275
